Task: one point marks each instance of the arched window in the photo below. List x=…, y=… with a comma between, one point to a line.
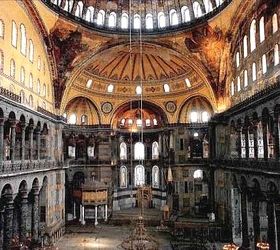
x=245, y=78
x=208, y=5
x=31, y=101
x=68, y=5
x=44, y=90
x=194, y=116
x=264, y=64
x=39, y=63
x=79, y=9
x=139, y=151
x=219, y=2
x=254, y=72
x=22, y=96
x=197, y=9
x=166, y=88
x=161, y=20
x=110, y=88
x=90, y=14
x=22, y=39
x=72, y=119
x=123, y=177
x=112, y=22
x=185, y=14
x=31, y=51
x=173, y=17
x=198, y=174
x=84, y=120
x=232, y=88
x=44, y=105
x=1, y=60
x=12, y=68
x=276, y=54
x=122, y=123
x=237, y=59
x=238, y=83
x=148, y=122
x=14, y=34
x=2, y=29
x=22, y=75
x=205, y=116
x=100, y=17
x=31, y=81
x=38, y=86
x=253, y=35
x=57, y=2
x=155, y=150
x=155, y=177
x=124, y=21
x=262, y=30
x=188, y=83
x=89, y=84
x=139, y=175
x=136, y=22
x=245, y=46
x=274, y=23
x=139, y=123
x=123, y=151
x=155, y=122
x=138, y=90
x=149, y=22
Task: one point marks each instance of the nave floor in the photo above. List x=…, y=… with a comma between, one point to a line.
x=103, y=237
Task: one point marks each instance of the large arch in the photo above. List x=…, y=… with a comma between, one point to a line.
x=134, y=105
x=196, y=103
x=83, y=106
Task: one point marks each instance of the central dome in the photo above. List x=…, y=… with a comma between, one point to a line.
x=134, y=63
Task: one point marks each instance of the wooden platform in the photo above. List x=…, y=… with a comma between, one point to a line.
x=152, y=217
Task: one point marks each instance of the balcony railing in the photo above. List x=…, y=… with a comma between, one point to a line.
x=9, y=167
x=10, y=95
x=254, y=164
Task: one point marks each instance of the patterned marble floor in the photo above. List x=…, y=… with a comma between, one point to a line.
x=105, y=237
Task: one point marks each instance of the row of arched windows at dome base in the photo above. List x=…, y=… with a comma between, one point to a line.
x=163, y=20
x=139, y=176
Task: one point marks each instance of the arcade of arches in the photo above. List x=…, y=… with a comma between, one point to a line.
x=103, y=101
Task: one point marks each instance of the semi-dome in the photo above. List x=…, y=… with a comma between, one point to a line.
x=147, y=16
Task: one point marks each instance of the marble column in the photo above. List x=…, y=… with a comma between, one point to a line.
x=13, y=141
x=95, y=217
x=256, y=151
x=265, y=140
x=38, y=142
x=276, y=138
x=74, y=210
x=83, y=222
x=106, y=212
x=23, y=216
x=1, y=227
x=246, y=132
x=8, y=223
x=1, y=141
x=22, y=153
x=245, y=231
x=256, y=219
x=31, y=130
x=35, y=216
x=271, y=231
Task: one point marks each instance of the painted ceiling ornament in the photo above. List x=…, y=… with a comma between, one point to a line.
x=211, y=47
x=67, y=46
x=170, y=106
x=107, y=107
